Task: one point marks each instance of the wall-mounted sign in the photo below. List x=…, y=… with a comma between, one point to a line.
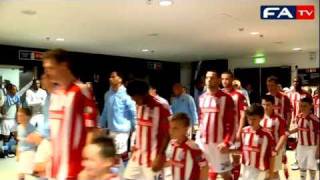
x=310, y=76
x=259, y=58
x=30, y=55
x=154, y=66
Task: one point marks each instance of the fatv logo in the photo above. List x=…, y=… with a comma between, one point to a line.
x=287, y=12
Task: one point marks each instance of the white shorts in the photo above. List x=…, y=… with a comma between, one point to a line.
x=251, y=173
x=43, y=152
x=306, y=157
x=25, y=163
x=278, y=160
x=218, y=162
x=37, y=120
x=120, y=140
x=8, y=126
x=136, y=171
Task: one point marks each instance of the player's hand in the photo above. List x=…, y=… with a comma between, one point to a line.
x=222, y=147
x=158, y=163
x=34, y=138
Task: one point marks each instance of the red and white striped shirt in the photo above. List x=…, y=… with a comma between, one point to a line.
x=308, y=130
x=152, y=126
x=256, y=147
x=186, y=160
x=316, y=103
x=282, y=105
x=216, y=117
x=295, y=98
x=240, y=103
x=276, y=124
x=71, y=112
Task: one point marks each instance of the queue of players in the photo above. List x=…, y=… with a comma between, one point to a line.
x=67, y=139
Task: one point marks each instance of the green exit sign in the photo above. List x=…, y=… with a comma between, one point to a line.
x=259, y=60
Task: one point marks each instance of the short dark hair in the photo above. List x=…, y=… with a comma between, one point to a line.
x=255, y=109
x=60, y=56
x=307, y=100
x=214, y=71
x=137, y=87
x=9, y=87
x=273, y=79
x=181, y=117
x=106, y=144
x=298, y=79
x=268, y=98
x=120, y=74
x=229, y=73
x=26, y=111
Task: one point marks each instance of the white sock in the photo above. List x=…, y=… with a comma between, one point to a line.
x=303, y=174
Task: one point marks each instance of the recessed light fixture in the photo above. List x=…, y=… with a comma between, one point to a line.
x=296, y=49
x=60, y=39
x=29, y=12
x=166, y=2
x=145, y=50
x=254, y=33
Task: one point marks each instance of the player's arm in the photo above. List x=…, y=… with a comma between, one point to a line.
x=241, y=123
x=204, y=172
x=281, y=143
x=193, y=110
x=283, y=137
x=242, y=108
x=90, y=117
x=228, y=126
x=158, y=163
x=289, y=112
x=271, y=150
x=103, y=116
x=131, y=112
x=163, y=136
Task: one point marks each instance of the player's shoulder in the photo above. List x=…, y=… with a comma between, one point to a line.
x=155, y=102
x=79, y=87
x=221, y=93
x=284, y=95
x=246, y=129
x=277, y=116
x=203, y=95
x=192, y=145
x=314, y=118
x=266, y=132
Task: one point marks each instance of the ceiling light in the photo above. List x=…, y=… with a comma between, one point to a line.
x=166, y=2
x=254, y=33
x=60, y=39
x=29, y=12
x=145, y=50
x=296, y=49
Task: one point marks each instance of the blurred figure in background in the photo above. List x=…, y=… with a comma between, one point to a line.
x=184, y=103
x=9, y=125
x=119, y=114
x=237, y=85
x=35, y=98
